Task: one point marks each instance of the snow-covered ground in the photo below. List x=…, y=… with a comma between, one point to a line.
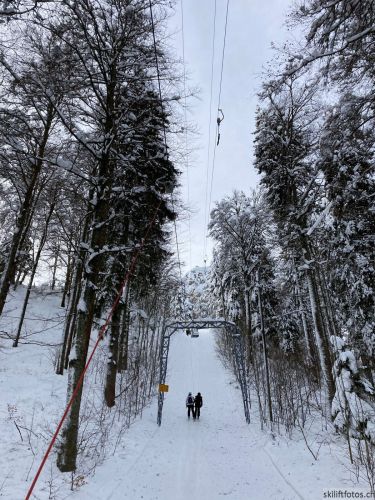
x=31, y=395
x=219, y=456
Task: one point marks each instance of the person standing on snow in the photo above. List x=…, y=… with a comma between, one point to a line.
x=198, y=403
x=190, y=405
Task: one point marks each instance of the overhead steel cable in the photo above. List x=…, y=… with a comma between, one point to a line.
x=166, y=150
x=164, y=130
x=185, y=126
x=209, y=135
x=218, y=122
x=223, y=55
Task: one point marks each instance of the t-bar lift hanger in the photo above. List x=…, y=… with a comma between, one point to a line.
x=218, y=121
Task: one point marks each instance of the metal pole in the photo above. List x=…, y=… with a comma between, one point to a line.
x=164, y=350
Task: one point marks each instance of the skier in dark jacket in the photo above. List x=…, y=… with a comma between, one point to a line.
x=190, y=405
x=198, y=403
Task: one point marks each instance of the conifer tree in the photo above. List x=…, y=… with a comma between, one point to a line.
x=347, y=161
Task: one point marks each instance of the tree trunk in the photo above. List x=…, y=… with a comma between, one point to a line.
x=70, y=319
x=67, y=454
x=308, y=340
x=122, y=364
x=111, y=373
x=33, y=271
x=249, y=343
x=9, y=272
x=265, y=353
x=68, y=278
x=327, y=304
x=320, y=338
x=22, y=243
x=55, y=262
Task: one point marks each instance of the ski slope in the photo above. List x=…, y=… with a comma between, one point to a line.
x=219, y=456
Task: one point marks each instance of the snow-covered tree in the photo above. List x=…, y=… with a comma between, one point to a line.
x=29, y=141
x=339, y=36
x=353, y=407
x=198, y=298
x=238, y=226
x=347, y=161
x=284, y=157
x=122, y=128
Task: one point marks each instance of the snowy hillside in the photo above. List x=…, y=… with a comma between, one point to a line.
x=32, y=396
x=217, y=456
x=111, y=180
x=33, y=399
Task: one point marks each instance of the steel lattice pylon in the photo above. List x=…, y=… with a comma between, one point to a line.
x=201, y=324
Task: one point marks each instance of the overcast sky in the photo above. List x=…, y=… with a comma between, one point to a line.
x=252, y=26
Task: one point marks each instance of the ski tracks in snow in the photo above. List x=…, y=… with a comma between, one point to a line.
x=133, y=464
x=216, y=457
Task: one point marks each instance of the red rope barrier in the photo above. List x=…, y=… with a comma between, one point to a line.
x=101, y=333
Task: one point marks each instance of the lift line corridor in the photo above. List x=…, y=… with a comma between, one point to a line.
x=200, y=324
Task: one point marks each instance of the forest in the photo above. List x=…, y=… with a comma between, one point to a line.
x=92, y=147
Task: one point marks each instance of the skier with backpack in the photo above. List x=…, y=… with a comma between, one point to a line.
x=190, y=405
x=198, y=403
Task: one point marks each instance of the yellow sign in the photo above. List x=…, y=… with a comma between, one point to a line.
x=163, y=388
